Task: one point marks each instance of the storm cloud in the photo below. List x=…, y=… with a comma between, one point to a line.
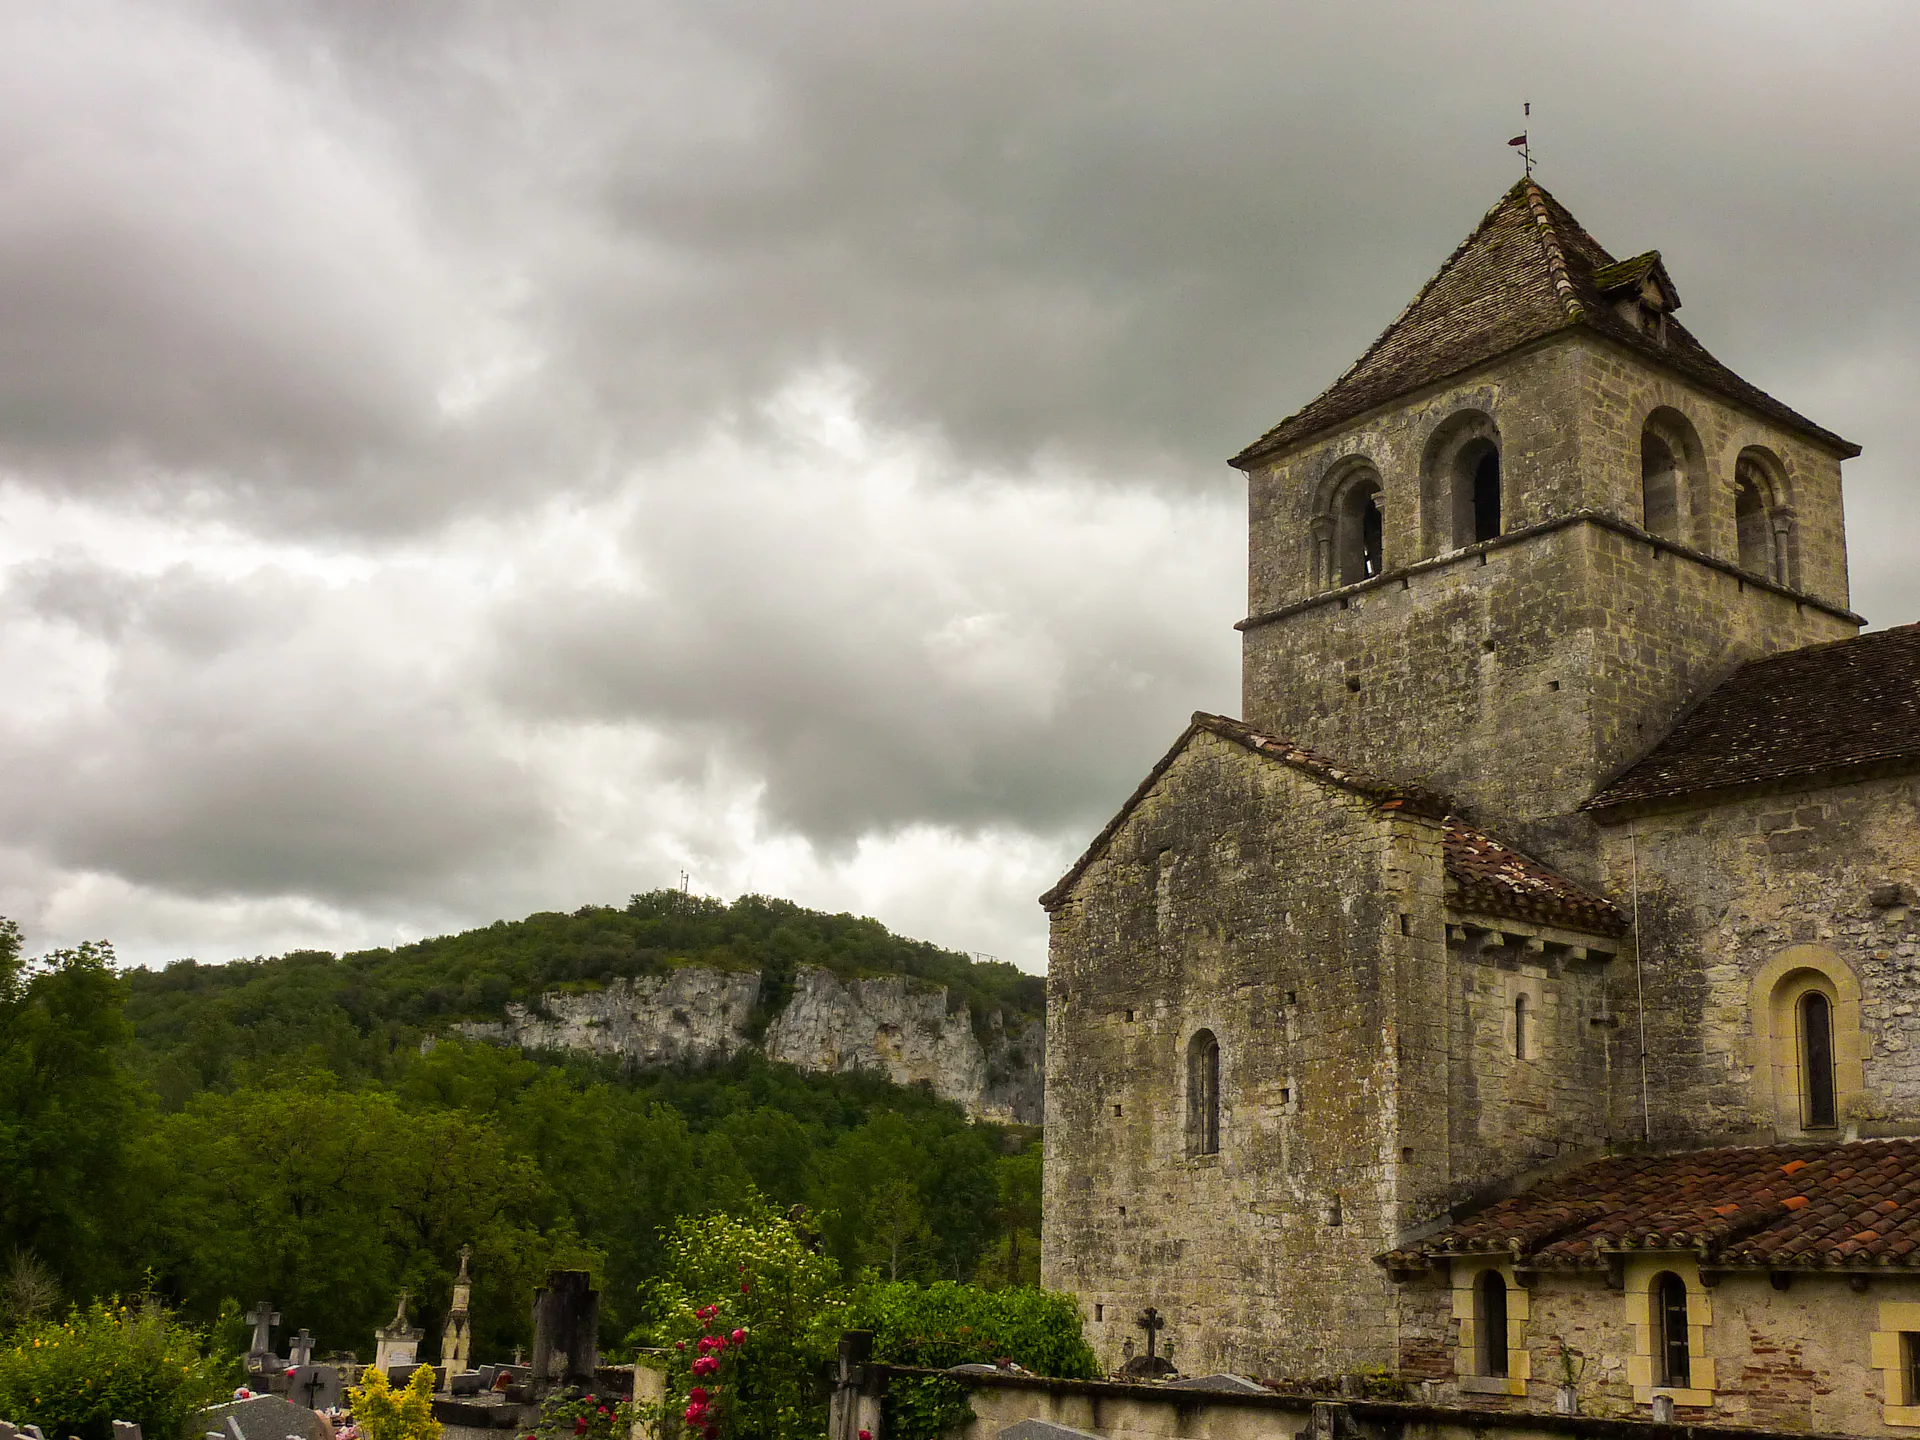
x=459, y=459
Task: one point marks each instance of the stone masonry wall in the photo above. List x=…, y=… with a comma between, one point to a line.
x=1511, y=1113
x=1561, y=655
x=888, y=1025
x=1727, y=889
x=1517, y=678
x=1249, y=899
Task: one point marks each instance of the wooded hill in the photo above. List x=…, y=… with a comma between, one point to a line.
x=276, y=1128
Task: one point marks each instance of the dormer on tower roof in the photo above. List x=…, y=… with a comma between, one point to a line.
x=1528, y=271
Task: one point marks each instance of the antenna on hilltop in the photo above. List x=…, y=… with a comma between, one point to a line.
x=685, y=880
x=1519, y=142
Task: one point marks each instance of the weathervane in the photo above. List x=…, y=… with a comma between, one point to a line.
x=1519, y=142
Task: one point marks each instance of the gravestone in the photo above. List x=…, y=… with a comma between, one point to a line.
x=396, y=1342
x=264, y=1417
x=317, y=1387
x=263, y=1317
x=300, y=1350
x=126, y=1430
x=566, y=1329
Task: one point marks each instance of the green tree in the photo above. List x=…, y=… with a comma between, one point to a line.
x=332, y=1201
x=1015, y=1257
x=68, y=1107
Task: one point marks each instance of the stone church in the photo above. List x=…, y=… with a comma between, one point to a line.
x=1519, y=996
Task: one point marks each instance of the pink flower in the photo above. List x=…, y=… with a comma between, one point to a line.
x=579, y=1424
x=678, y=1345
x=866, y=1435
x=698, y=1395
x=705, y=1365
x=743, y=1287
x=739, y=1337
x=719, y=1343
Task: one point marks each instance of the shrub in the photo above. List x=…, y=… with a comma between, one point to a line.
x=943, y=1325
x=749, y=1315
x=108, y=1362
x=382, y=1413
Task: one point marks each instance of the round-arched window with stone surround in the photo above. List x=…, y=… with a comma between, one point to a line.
x=1462, y=489
x=1673, y=469
x=1763, y=517
x=1808, y=1051
x=1203, y=1094
x=1349, y=524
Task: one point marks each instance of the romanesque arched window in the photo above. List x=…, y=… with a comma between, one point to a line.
x=1808, y=1050
x=1673, y=473
x=1203, y=1094
x=1358, y=529
x=1462, y=493
x=1814, y=1014
x=1490, y=1322
x=1659, y=487
x=1762, y=518
x=1482, y=464
x=1672, y=1347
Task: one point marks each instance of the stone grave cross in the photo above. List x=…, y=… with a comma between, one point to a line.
x=263, y=1317
x=1151, y=1321
x=300, y=1349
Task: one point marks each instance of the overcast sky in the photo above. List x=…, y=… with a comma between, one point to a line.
x=460, y=460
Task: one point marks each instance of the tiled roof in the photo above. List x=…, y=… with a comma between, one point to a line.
x=1487, y=876
x=1845, y=704
x=1525, y=272
x=1778, y=1206
x=1495, y=879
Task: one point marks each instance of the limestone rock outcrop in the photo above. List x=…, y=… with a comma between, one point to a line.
x=910, y=1031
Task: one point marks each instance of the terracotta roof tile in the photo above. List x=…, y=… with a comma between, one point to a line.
x=1526, y=271
x=1845, y=704
x=1852, y=1203
x=1496, y=879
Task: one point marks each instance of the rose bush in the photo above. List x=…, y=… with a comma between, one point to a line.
x=748, y=1315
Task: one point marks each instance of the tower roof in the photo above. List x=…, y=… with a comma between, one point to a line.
x=1528, y=270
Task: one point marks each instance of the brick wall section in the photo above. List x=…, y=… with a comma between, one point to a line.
x=1793, y=1360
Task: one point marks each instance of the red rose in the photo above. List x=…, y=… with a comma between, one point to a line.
x=739, y=1336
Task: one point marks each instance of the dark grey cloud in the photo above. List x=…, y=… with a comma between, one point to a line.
x=403, y=500
x=241, y=738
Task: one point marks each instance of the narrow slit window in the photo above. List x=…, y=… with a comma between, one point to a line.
x=1817, y=1110
x=1673, y=1355
x=1490, y=1323
x=1522, y=1028
x=1203, y=1094
x=1910, y=1366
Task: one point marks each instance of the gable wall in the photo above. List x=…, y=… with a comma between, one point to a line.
x=1238, y=881
x=1729, y=889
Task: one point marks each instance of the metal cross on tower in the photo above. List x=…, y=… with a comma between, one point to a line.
x=1151, y=1321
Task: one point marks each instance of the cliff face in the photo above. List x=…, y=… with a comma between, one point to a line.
x=888, y=1025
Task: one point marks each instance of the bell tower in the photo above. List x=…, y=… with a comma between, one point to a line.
x=1536, y=519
